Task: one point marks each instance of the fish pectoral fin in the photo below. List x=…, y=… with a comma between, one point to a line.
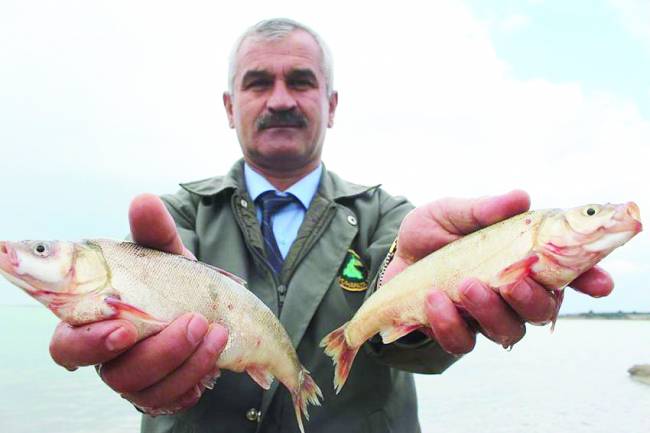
x=261, y=375
x=140, y=318
x=515, y=272
x=393, y=333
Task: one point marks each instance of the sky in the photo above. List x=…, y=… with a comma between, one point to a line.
x=101, y=101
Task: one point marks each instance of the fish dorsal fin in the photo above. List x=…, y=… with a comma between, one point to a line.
x=235, y=278
x=230, y=275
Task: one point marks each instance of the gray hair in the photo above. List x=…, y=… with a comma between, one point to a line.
x=275, y=29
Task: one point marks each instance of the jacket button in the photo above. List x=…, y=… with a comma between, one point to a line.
x=253, y=415
x=243, y=203
x=352, y=220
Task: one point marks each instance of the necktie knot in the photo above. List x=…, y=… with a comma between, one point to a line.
x=271, y=203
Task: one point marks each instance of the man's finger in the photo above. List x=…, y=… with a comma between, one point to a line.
x=154, y=358
x=201, y=366
x=531, y=301
x=463, y=216
x=186, y=401
x=448, y=327
x=91, y=344
x=436, y=224
x=152, y=226
x=595, y=282
x=498, y=322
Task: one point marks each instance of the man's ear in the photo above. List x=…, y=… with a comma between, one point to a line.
x=227, y=103
x=333, y=102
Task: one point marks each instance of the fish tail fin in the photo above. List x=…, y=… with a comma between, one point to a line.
x=342, y=354
x=307, y=392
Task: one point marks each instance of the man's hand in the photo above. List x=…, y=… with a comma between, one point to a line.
x=166, y=372
x=500, y=316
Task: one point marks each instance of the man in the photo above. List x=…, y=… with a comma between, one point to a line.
x=297, y=260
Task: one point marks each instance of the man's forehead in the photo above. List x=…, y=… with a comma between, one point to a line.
x=297, y=50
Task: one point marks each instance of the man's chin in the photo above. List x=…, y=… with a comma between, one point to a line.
x=282, y=158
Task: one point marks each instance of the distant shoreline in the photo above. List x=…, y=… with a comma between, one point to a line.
x=619, y=315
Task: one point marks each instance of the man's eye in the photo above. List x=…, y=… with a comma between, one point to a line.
x=301, y=84
x=257, y=84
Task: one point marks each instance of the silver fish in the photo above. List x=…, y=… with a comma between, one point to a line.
x=101, y=279
x=553, y=246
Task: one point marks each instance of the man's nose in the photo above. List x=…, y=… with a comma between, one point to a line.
x=281, y=98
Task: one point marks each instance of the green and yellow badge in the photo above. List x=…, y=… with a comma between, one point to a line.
x=354, y=275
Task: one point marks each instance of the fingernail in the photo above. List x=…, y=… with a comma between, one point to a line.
x=475, y=293
x=196, y=329
x=209, y=382
x=519, y=292
x=211, y=378
x=214, y=340
x=118, y=340
x=434, y=299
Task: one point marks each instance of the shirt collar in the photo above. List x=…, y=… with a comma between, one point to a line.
x=304, y=190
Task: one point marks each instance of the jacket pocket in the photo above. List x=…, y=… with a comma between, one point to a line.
x=377, y=422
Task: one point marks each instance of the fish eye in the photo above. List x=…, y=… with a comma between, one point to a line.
x=40, y=249
x=590, y=210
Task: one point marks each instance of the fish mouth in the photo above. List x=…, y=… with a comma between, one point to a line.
x=9, y=263
x=629, y=216
x=8, y=258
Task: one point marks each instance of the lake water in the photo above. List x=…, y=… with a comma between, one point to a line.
x=572, y=381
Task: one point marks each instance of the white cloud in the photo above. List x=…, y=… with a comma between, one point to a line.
x=635, y=16
x=132, y=90
x=514, y=23
x=423, y=94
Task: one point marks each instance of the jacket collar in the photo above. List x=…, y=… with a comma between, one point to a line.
x=331, y=187
x=212, y=186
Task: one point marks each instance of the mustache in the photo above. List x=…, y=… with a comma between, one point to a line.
x=289, y=118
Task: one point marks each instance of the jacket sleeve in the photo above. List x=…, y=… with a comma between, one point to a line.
x=415, y=352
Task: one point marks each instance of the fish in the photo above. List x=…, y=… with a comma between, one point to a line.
x=553, y=246
x=99, y=279
x=640, y=373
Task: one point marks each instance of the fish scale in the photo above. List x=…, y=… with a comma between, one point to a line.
x=553, y=246
x=102, y=279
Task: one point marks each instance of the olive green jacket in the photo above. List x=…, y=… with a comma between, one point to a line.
x=217, y=222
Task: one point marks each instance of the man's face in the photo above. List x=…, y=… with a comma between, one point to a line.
x=279, y=104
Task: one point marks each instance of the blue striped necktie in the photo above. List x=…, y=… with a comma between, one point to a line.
x=271, y=203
